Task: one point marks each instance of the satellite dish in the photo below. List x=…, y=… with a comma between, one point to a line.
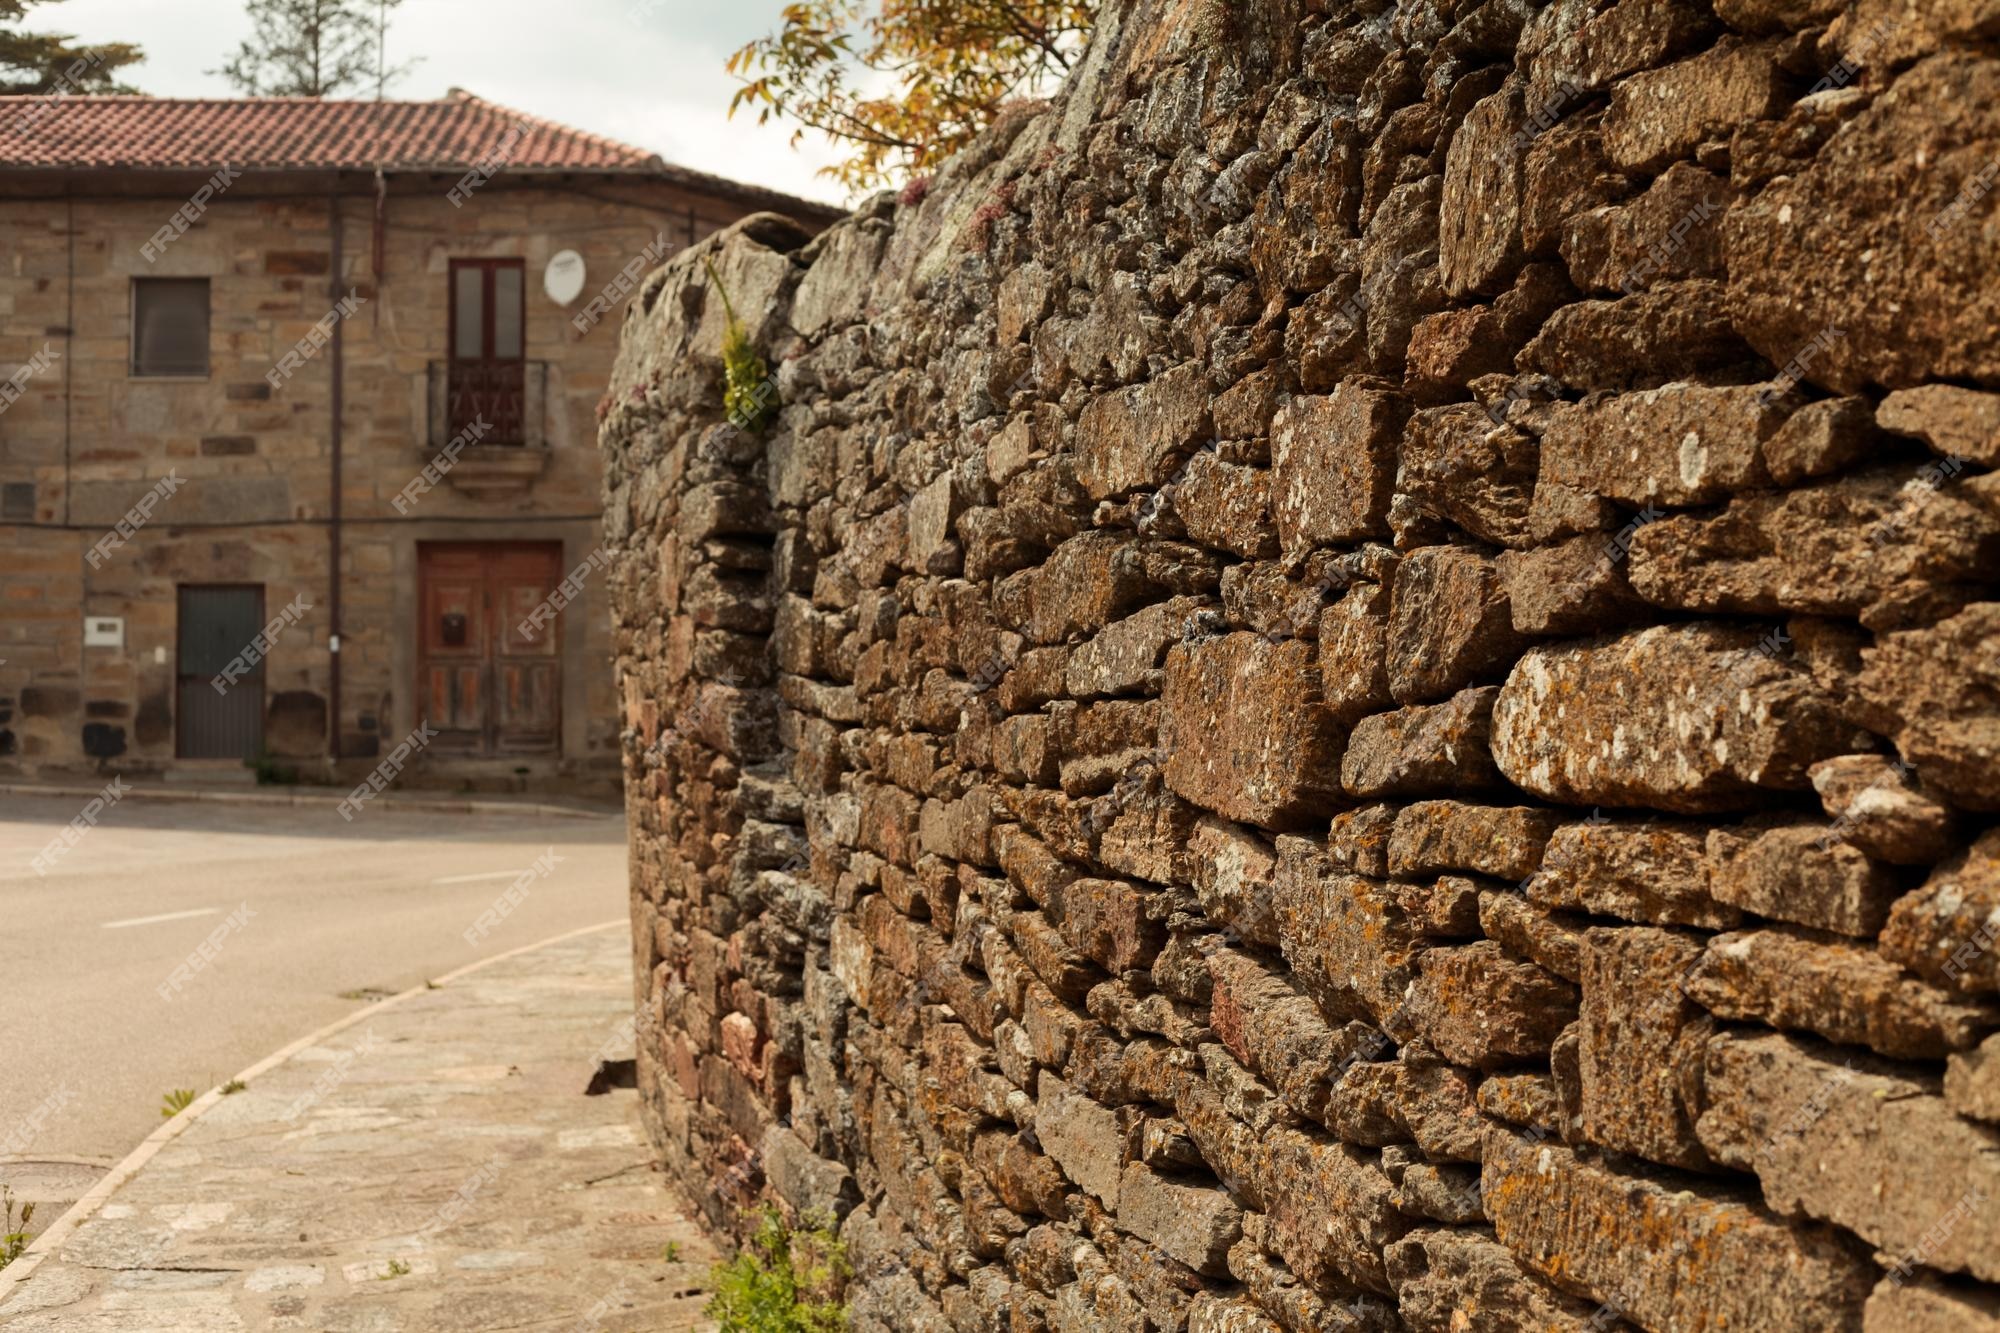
x=563, y=278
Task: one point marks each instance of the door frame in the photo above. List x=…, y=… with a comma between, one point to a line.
x=180, y=609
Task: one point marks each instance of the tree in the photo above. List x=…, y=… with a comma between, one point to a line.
x=34, y=63
x=313, y=48
x=946, y=68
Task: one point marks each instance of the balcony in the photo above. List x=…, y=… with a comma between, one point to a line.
x=511, y=398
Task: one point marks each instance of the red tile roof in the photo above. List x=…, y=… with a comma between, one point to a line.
x=453, y=134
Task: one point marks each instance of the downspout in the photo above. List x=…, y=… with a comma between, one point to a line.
x=334, y=294
x=69, y=343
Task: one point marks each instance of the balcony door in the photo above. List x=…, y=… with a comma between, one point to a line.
x=488, y=373
x=488, y=686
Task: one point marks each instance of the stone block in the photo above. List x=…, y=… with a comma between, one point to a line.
x=1082, y=1136
x=1883, y=1155
x=1945, y=931
x=1690, y=718
x=1663, y=1256
x=1640, y=1043
x=1480, y=1008
x=1788, y=978
x=1423, y=751
x=1334, y=466
x=1449, y=624
x=1245, y=732
x=1193, y=1224
x=1800, y=872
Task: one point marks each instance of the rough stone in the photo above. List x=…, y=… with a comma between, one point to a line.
x=1505, y=842
x=1801, y=872
x=1637, y=1037
x=1933, y=692
x=1681, y=444
x=1449, y=1279
x=1423, y=751
x=1449, y=624
x=1885, y=1157
x=1946, y=930
x=1480, y=1008
x=1789, y=979
x=1664, y=1256
x=1659, y=115
x=1860, y=545
x=1924, y=310
x=1954, y=422
x=1652, y=871
x=1333, y=466
x=1689, y=718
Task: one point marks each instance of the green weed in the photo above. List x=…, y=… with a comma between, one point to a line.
x=13, y=1235
x=175, y=1102
x=783, y=1281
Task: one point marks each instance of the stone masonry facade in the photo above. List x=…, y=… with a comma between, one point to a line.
x=1356, y=688
x=235, y=467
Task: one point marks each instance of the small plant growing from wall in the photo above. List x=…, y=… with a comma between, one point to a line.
x=13, y=1236
x=749, y=394
x=786, y=1280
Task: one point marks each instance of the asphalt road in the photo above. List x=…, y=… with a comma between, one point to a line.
x=337, y=915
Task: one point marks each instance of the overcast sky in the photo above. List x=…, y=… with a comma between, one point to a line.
x=648, y=72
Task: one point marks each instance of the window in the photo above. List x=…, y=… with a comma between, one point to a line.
x=170, y=326
x=17, y=500
x=488, y=379
x=486, y=309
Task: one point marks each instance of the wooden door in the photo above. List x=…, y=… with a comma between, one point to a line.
x=484, y=685
x=217, y=625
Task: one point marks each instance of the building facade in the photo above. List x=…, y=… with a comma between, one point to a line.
x=298, y=407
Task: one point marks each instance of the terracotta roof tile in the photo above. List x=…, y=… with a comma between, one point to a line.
x=455, y=133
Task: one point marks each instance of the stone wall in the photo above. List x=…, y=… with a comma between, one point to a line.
x=1357, y=689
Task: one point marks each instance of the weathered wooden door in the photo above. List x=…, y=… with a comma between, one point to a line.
x=487, y=687
x=217, y=624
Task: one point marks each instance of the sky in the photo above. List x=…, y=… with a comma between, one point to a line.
x=647, y=72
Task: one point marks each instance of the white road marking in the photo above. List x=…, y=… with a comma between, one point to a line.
x=467, y=879
x=154, y=920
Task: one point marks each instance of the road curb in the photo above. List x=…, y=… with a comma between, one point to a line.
x=438, y=805
x=65, y=1226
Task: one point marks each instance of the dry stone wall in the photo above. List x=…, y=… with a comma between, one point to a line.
x=1357, y=688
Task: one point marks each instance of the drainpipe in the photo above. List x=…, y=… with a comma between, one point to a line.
x=334, y=293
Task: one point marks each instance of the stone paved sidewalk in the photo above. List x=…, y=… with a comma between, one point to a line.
x=434, y=1166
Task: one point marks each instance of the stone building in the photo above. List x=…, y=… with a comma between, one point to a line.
x=233, y=336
